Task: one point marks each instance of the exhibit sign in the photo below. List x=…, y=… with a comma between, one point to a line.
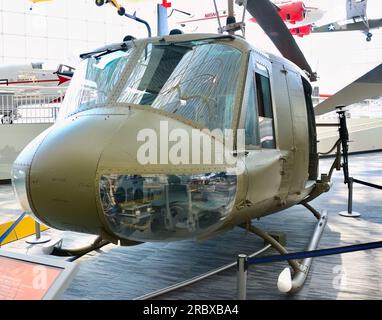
x=24, y=277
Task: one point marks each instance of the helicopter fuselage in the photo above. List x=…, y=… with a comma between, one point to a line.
x=120, y=161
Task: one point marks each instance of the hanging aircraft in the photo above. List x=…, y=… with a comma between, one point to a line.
x=356, y=18
x=296, y=15
x=121, y=10
x=25, y=78
x=29, y=80
x=346, y=15
x=303, y=20
x=118, y=162
x=99, y=3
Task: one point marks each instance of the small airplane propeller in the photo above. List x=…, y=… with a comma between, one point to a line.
x=267, y=17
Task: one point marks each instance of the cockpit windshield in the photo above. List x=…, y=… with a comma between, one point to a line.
x=93, y=82
x=196, y=80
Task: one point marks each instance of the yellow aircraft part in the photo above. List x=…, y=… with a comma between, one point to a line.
x=116, y=4
x=35, y=1
x=24, y=229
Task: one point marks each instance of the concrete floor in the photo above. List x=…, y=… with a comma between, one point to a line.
x=128, y=272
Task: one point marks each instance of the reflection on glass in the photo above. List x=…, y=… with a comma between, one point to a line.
x=197, y=80
x=160, y=207
x=266, y=133
x=251, y=123
x=94, y=81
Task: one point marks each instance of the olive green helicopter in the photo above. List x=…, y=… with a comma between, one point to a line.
x=140, y=153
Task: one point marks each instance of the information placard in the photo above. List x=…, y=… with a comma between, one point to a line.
x=24, y=277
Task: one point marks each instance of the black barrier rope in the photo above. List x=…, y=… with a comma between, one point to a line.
x=368, y=184
x=316, y=253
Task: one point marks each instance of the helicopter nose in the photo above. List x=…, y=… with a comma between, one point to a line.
x=21, y=170
x=71, y=179
x=57, y=182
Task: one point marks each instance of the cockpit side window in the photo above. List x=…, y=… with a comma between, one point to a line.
x=265, y=109
x=251, y=124
x=258, y=123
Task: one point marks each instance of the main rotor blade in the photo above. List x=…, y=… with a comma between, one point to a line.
x=267, y=17
x=368, y=86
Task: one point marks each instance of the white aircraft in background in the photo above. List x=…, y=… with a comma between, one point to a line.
x=295, y=14
x=30, y=84
x=32, y=78
x=305, y=17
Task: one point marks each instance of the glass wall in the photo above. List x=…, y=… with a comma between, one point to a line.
x=58, y=31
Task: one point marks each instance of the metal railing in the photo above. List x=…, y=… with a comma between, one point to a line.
x=21, y=109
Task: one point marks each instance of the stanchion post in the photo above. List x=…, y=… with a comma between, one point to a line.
x=38, y=230
x=349, y=212
x=38, y=238
x=344, y=136
x=350, y=197
x=242, y=267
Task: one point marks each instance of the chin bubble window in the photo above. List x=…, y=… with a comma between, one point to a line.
x=166, y=206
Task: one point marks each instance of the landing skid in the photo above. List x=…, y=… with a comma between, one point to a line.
x=286, y=282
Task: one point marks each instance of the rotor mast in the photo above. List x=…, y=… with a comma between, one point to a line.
x=231, y=10
x=232, y=26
